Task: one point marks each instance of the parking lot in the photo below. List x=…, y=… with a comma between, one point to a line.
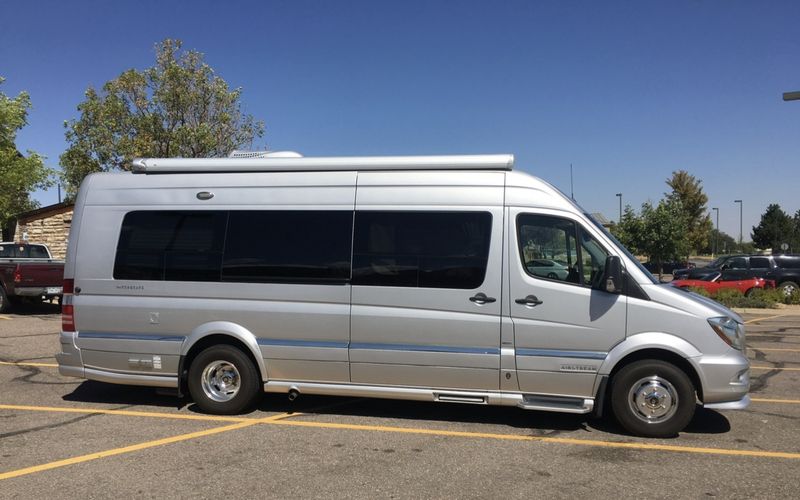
x=67, y=437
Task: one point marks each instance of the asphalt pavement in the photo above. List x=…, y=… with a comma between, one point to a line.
x=64, y=437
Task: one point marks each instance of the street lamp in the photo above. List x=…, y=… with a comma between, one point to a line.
x=740, y=222
x=791, y=96
x=716, y=235
x=619, y=195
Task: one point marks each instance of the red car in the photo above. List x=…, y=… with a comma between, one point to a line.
x=716, y=282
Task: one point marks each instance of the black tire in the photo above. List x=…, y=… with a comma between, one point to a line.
x=639, y=384
x=749, y=292
x=5, y=304
x=788, y=287
x=552, y=276
x=232, y=382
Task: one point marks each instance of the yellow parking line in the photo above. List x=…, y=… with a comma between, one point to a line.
x=127, y=413
x=124, y=449
x=780, y=401
x=142, y=446
x=4, y=317
x=773, y=368
x=15, y=363
x=519, y=437
x=755, y=320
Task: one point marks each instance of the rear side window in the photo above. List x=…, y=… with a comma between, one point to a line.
x=288, y=247
x=23, y=251
x=421, y=249
x=239, y=246
x=788, y=262
x=759, y=263
x=171, y=246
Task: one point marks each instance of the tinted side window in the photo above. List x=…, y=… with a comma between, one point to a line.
x=37, y=252
x=421, y=249
x=171, y=245
x=737, y=263
x=288, y=246
x=759, y=263
x=788, y=262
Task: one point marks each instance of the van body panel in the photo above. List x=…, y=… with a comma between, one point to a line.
x=430, y=337
x=568, y=335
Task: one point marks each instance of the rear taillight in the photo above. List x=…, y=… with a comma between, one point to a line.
x=67, y=309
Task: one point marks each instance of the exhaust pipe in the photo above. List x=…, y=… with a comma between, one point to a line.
x=293, y=394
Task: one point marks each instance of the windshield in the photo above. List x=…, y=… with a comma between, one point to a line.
x=622, y=248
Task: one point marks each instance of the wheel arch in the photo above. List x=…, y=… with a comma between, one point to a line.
x=661, y=346
x=216, y=333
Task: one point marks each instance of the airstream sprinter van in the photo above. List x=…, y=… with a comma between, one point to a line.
x=393, y=277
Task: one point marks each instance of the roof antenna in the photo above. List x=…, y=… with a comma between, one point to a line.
x=571, y=191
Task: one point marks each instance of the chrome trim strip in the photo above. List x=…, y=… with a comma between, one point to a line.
x=130, y=336
x=426, y=348
x=302, y=343
x=552, y=353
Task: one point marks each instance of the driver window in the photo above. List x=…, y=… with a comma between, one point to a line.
x=549, y=247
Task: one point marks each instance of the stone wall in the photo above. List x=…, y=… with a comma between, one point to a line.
x=50, y=229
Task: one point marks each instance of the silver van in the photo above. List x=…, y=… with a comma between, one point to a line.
x=395, y=277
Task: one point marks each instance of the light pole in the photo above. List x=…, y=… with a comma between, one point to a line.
x=740, y=223
x=716, y=234
x=791, y=96
x=619, y=195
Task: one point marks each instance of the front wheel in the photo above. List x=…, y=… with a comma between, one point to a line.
x=652, y=398
x=223, y=380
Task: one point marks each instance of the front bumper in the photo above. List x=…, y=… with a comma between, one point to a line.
x=725, y=379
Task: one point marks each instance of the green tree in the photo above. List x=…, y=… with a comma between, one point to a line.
x=177, y=108
x=659, y=232
x=775, y=228
x=19, y=174
x=689, y=191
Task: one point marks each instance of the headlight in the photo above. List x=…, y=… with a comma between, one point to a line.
x=729, y=331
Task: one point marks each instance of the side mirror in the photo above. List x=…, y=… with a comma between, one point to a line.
x=724, y=267
x=612, y=276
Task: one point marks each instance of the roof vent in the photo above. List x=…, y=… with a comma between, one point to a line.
x=263, y=154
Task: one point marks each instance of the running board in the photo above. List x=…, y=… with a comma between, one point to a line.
x=562, y=404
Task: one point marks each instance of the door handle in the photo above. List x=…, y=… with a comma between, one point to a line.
x=481, y=298
x=529, y=301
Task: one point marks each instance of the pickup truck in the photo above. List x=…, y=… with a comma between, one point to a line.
x=28, y=271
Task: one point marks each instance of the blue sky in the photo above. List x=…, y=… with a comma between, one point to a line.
x=625, y=91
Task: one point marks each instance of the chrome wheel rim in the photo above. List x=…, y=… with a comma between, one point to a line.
x=653, y=399
x=221, y=381
x=788, y=290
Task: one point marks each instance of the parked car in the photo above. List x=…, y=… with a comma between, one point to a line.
x=28, y=271
x=548, y=269
x=717, y=281
x=391, y=277
x=667, y=267
x=786, y=273
x=738, y=266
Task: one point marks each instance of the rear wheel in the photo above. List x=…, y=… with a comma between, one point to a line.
x=749, y=292
x=223, y=380
x=5, y=305
x=652, y=398
x=788, y=288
